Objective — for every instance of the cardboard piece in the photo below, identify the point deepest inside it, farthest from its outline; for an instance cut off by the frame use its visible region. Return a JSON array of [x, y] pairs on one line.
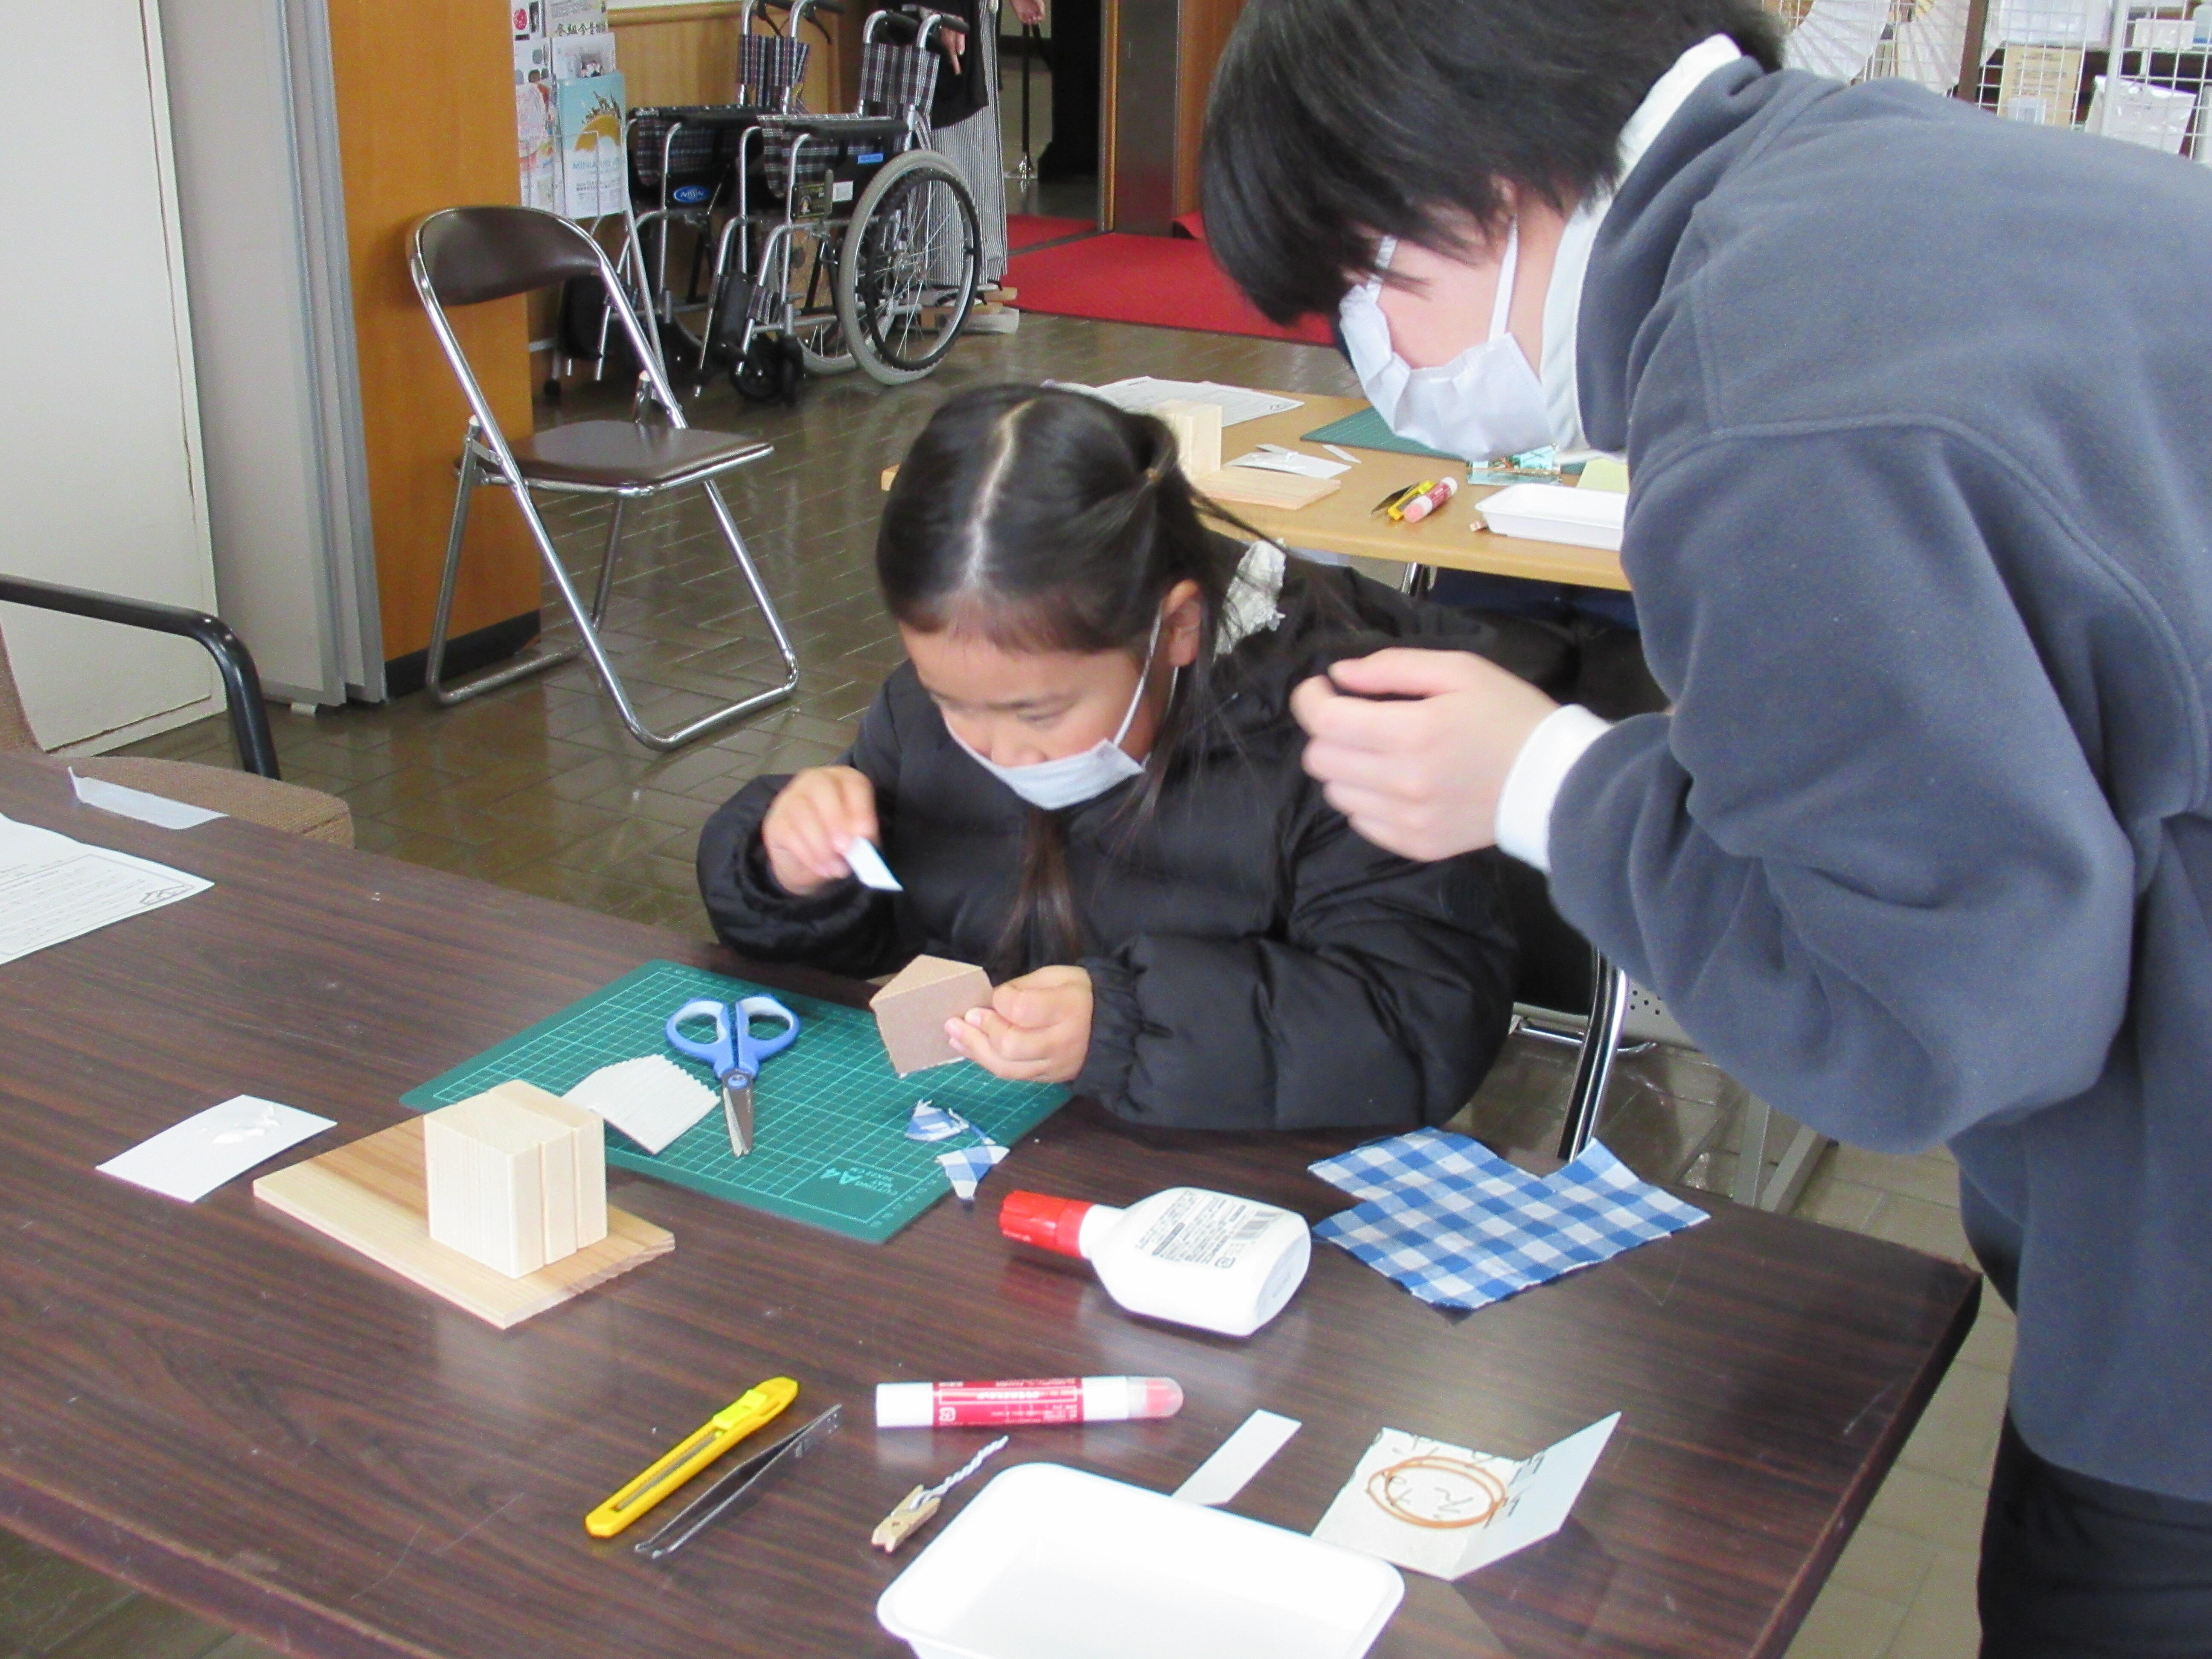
[[515, 1178], [369, 1195], [911, 1011], [1249, 486], [1197, 428], [1425, 1477]]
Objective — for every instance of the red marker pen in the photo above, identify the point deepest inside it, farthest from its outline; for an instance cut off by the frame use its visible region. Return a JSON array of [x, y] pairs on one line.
[[1007, 1405]]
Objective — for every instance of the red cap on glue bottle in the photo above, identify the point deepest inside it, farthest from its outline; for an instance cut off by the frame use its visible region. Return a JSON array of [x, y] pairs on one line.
[[1049, 1222]]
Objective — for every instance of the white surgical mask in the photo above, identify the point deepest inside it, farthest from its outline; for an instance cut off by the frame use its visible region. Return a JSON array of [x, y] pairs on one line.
[[1487, 402], [1073, 779]]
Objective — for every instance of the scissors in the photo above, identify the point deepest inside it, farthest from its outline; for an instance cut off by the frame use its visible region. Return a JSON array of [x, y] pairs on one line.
[[734, 1053]]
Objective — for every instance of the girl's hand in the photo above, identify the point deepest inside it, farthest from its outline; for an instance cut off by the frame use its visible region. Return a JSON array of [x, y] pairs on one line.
[[1036, 1029], [821, 811], [1030, 11]]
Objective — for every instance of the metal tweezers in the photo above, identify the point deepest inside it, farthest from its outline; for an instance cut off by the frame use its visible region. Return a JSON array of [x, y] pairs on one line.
[[740, 1489]]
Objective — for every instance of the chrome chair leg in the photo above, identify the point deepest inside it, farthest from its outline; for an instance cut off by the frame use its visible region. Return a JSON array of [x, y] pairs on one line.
[[607, 563], [433, 665], [1593, 1069]]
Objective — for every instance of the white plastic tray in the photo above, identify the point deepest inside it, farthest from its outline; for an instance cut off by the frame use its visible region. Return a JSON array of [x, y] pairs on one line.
[[1557, 513], [1049, 1563]]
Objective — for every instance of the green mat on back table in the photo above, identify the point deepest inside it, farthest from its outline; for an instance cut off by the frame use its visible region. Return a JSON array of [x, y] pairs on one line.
[[1368, 430], [829, 1142]]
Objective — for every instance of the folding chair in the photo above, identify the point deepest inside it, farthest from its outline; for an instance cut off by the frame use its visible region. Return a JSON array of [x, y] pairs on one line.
[[468, 256]]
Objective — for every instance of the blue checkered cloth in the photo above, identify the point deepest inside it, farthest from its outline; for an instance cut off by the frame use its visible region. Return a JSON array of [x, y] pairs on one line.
[[1460, 1227]]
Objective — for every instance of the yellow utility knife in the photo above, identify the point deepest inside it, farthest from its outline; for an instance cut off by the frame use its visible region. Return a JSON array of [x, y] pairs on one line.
[[748, 1411]]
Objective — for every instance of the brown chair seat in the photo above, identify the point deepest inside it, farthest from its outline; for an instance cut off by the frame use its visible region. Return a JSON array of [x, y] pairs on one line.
[[613, 453], [244, 795]]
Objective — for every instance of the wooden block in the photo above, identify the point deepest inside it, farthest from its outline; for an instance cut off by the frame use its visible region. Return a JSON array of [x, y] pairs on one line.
[[911, 1009], [589, 1130], [515, 1177], [1197, 428], [1253, 486], [370, 1195]]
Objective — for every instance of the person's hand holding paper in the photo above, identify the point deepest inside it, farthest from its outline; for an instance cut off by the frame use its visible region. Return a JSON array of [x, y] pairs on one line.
[[1419, 772]]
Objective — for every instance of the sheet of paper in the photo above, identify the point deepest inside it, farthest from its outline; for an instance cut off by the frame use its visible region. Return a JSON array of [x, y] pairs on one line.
[[158, 810], [651, 1099], [53, 888], [1290, 460], [1238, 1459], [868, 864], [189, 1160], [1443, 1485], [1144, 392]]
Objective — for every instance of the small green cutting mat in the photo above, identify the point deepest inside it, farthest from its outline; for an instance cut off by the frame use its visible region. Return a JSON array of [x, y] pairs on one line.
[[829, 1114], [1369, 430]]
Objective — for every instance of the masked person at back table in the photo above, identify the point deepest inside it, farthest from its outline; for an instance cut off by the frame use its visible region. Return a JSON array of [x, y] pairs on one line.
[[1087, 778]]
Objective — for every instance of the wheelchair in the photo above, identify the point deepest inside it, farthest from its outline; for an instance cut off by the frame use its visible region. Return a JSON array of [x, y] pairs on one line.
[[840, 242]]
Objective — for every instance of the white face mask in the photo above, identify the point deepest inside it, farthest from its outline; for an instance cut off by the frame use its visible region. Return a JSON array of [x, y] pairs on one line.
[[1485, 402], [1073, 779]]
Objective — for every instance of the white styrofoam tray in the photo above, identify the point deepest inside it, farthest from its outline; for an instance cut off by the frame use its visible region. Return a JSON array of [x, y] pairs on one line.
[[1050, 1562], [1557, 513]]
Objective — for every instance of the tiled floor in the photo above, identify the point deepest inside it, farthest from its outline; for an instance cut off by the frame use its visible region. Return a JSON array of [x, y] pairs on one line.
[[538, 788]]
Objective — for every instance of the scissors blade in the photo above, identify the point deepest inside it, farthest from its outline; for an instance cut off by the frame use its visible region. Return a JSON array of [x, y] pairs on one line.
[[737, 1111], [741, 1488]]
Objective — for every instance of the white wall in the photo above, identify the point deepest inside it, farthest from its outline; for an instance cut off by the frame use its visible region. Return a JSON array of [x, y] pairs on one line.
[[100, 446]]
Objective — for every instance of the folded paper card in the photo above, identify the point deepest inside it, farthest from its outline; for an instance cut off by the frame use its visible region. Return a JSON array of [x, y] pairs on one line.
[[1459, 1226], [1445, 1511], [137, 803], [189, 1160], [651, 1099]]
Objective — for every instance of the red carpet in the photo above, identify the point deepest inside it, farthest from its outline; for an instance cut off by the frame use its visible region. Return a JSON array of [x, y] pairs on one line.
[[1028, 229], [1170, 282]]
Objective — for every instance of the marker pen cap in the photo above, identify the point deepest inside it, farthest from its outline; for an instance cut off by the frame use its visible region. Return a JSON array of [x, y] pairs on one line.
[[905, 1405], [1051, 1224]]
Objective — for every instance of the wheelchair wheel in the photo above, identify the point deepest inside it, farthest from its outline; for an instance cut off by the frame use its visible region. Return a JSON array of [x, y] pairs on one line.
[[908, 270], [821, 337]]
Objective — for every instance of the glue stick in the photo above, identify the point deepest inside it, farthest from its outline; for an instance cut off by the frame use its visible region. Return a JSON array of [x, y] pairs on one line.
[[1197, 1258], [1421, 506], [1009, 1405]]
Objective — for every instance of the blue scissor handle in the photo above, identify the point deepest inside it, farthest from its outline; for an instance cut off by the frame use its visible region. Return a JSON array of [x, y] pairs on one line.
[[733, 1048]]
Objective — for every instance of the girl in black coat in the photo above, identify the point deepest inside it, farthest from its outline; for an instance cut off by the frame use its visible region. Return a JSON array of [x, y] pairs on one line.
[[1085, 778]]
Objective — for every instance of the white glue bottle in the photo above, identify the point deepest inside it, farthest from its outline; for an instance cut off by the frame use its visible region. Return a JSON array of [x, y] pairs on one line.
[[1196, 1258]]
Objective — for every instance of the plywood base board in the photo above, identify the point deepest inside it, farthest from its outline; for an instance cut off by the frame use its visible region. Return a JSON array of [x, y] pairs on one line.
[[369, 1195], [1253, 486]]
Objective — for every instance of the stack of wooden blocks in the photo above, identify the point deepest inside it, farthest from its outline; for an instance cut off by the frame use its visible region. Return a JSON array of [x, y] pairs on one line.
[[517, 1178]]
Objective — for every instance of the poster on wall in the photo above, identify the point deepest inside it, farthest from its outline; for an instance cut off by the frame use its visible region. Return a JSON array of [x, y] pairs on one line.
[[588, 116]]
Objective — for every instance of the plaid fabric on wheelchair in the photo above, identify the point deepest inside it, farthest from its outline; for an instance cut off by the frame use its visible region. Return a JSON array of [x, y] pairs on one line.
[[694, 164], [896, 80], [769, 70], [846, 148]]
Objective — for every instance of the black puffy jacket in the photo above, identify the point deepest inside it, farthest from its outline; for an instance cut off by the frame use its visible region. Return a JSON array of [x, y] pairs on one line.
[[1256, 964]]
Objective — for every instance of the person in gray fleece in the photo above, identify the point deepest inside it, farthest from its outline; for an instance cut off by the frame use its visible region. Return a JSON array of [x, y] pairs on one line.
[[1918, 407]]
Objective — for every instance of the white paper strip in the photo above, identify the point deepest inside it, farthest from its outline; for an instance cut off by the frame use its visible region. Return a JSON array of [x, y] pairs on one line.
[[189, 1160], [868, 864], [1238, 1459], [157, 810]]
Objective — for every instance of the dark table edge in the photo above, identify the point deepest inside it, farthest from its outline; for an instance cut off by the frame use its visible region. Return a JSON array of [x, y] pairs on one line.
[[1790, 1615], [162, 1568]]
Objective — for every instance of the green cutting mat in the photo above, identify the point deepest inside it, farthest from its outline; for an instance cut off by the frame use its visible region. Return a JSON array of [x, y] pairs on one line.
[[829, 1114], [1368, 430]]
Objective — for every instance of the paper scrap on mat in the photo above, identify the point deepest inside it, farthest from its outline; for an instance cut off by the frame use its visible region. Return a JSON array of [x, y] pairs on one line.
[[1460, 1227], [1290, 460], [932, 1122], [868, 864], [189, 1160], [1446, 1510], [53, 888], [1143, 393], [651, 1099], [966, 1168], [1238, 1459], [158, 810]]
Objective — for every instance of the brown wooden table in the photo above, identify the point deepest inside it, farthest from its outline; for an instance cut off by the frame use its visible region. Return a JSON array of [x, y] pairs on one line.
[[226, 1409], [1452, 538]]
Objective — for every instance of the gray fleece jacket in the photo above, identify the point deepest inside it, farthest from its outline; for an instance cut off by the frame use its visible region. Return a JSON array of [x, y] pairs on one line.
[[1919, 407]]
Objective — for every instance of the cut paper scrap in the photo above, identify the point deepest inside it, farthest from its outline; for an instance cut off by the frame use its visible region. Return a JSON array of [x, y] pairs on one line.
[[1460, 1227], [865, 862], [1238, 1459], [967, 1167], [651, 1099], [158, 810], [1446, 1510], [930, 1123], [189, 1160]]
